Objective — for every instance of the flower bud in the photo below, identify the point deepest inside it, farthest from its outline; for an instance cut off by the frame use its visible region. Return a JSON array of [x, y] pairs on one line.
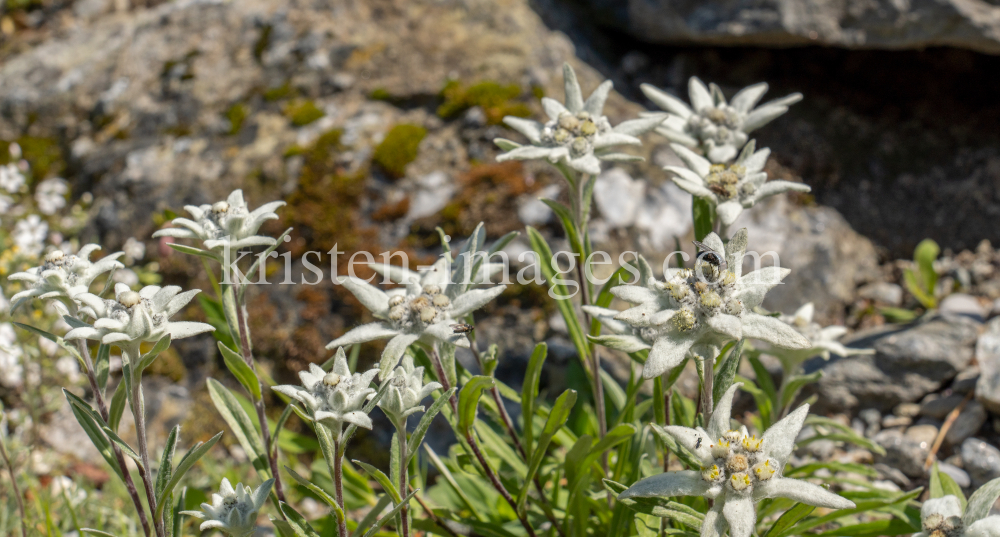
[[441, 301], [740, 481], [129, 299]]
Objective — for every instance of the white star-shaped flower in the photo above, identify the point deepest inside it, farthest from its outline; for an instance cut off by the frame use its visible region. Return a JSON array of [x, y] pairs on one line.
[[729, 187], [823, 340], [63, 276], [133, 317], [738, 471], [224, 224], [717, 128], [705, 306], [424, 310], [406, 391], [943, 517], [577, 133], [233, 511], [335, 397]]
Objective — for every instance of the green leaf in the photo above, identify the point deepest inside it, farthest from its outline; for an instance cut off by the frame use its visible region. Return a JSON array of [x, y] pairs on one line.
[[764, 380], [216, 316], [148, 358], [93, 426], [877, 528], [565, 305], [184, 249], [981, 502], [924, 255], [913, 284], [861, 507], [102, 366], [372, 516], [934, 488], [659, 507], [118, 402], [243, 372], [726, 374], [97, 532], [796, 383], [450, 479], [704, 217], [177, 516], [898, 315], [382, 479], [192, 456], [468, 401], [240, 423], [390, 515], [845, 434], [529, 393], [557, 418], [952, 488], [280, 424], [53, 338], [322, 494], [298, 523], [563, 213], [789, 519], [123, 445], [167, 460], [417, 437]]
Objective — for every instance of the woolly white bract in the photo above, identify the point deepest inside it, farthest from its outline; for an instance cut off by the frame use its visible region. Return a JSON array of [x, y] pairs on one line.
[[406, 390], [823, 340], [700, 309], [729, 187], [224, 224], [233, 511], [335, 397], [133, 317], [424, 310], [943, 517], [719, 129], [738, 471], [577, 133], [62, 276]]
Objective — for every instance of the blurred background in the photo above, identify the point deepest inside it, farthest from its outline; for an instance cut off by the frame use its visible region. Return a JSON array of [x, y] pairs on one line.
[[374, 120]]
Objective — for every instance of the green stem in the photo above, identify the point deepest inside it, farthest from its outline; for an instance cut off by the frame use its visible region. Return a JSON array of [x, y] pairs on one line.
[[330, 447], [404, 515], [131, 355], [17, 491]]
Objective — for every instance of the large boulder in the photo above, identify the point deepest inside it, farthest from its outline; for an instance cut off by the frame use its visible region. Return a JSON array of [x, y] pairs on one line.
[[883, 24]]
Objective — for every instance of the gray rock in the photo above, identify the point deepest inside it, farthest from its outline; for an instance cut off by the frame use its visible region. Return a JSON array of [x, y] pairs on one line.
[[872, 419], [890, 421], [966, 381], [806, 240], [910, 363], [883, 24], [968, 423], [940, 407], [988, 355], [981, 461], [433, 192], [963, 304], [902, 453], [886, 293]]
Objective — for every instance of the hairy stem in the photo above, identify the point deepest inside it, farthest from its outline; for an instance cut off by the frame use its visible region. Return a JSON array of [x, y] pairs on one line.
[[17, 491], [265, 429], [102, 408], [404, 512], [497, 484], [338, 486], [131, 355], [707, 387]]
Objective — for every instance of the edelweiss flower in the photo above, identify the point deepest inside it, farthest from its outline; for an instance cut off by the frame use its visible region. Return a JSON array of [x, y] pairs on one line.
[[730, 187], [823, 340], [425, 309], [710, 124], [29, 234], [578, 133], [942, 517], [63, 276], [11, 178], [224, 224], [406, 391], [134, 317], [335, 397], [705, 306], [50, 195], [739, 470], [233, 511], [624, 337]]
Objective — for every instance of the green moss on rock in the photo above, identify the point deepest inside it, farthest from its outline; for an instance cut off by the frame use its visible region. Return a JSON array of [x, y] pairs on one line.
[[497, 100], [236, 115], [302, 113], [399, 148]]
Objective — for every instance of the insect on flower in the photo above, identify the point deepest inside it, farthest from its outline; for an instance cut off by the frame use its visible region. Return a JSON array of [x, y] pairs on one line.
[[709, 255], [462, 328]]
